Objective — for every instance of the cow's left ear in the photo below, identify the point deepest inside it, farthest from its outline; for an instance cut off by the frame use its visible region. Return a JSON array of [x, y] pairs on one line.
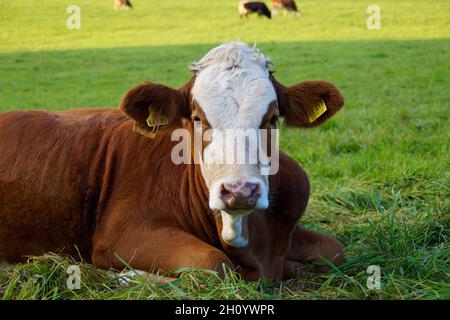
[[308, 104], [154, 104]]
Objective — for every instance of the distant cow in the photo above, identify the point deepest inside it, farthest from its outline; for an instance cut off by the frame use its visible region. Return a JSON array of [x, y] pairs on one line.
[[246, 7], [289, 5], [106, 185], [122, 4]]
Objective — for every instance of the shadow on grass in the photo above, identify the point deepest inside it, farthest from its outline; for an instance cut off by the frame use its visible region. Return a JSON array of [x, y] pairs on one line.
[[98, 77]]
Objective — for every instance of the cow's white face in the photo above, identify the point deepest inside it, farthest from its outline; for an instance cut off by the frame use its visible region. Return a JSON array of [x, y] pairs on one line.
[[232, 90], [233, 94]]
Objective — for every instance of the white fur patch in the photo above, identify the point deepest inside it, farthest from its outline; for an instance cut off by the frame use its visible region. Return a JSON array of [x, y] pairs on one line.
[[232, 229], [233, 88], [242, 10], [125, 278]]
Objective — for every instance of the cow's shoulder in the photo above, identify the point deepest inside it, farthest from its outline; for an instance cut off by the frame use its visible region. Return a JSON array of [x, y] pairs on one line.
[[293, 176], [289, 188]]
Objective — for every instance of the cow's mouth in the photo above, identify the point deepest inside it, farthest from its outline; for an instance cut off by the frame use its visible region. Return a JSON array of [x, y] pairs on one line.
[[232, 227], [236, 198]]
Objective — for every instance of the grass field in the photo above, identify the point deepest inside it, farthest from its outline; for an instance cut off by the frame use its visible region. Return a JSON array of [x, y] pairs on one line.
[[379, 170]]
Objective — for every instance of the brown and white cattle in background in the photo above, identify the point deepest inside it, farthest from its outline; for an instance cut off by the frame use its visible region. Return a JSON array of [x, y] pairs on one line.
[[102, 183], [258, 7], [122, 4], [288, 5]]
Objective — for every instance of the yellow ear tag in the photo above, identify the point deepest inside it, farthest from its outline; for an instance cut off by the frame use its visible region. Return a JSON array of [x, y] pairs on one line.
[[143, 130], [154, 121], [318, 110]]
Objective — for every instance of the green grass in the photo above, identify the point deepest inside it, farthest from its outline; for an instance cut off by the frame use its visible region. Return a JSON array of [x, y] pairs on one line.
[[379, 170]]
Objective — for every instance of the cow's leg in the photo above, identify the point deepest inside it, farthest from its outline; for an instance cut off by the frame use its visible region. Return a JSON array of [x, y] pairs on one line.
[[312, 247], [164, 250]]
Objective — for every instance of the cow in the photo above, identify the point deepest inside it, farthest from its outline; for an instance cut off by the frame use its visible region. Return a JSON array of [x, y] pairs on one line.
[[289, 5], [247, 7], [122, 4], [102, 183]]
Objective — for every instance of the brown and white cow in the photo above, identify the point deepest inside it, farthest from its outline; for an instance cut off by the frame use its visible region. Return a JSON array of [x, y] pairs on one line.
[[288, 5], [122, 4], [85, 182]]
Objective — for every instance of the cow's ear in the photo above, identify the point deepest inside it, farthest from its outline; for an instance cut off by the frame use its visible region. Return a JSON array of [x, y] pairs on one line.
[[154, 104], [308, 104]]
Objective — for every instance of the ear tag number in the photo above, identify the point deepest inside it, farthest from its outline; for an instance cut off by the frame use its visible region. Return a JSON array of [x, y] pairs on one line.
[[318, 110]]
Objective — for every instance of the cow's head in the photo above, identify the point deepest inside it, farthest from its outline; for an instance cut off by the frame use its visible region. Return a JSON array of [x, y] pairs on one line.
[[232, 88]]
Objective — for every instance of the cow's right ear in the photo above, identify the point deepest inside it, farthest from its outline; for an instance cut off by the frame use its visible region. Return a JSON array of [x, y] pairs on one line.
[[156, 104]]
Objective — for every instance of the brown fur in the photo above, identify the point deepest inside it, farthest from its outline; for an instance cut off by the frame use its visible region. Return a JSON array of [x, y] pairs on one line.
[[122, 4], [166, 101], [287, 4], [297, 101], [83, 181]]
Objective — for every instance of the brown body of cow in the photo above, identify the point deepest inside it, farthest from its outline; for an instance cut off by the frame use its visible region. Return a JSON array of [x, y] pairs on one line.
[[84, 182], [289, 5]]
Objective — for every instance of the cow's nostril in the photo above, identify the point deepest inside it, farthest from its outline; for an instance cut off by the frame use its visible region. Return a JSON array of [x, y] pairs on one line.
[[224, 190], [227, 188], [251, 186], [254, 192]]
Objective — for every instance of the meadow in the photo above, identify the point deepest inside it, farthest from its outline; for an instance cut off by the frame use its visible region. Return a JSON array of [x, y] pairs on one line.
[[379, 170]]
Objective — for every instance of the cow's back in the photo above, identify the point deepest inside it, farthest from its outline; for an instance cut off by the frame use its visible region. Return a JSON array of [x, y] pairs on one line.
[[48, 167]]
